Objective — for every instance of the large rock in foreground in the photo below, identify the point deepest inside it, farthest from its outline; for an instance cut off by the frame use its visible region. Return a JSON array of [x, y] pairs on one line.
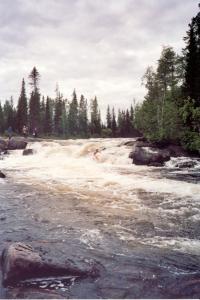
[[149, 156], [16, 143], [20, 261]]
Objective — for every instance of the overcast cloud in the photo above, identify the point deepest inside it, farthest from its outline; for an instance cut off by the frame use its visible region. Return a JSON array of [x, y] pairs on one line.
[[99, 47]]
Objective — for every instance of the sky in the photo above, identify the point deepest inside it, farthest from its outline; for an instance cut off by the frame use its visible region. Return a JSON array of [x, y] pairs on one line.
[[98, 47]]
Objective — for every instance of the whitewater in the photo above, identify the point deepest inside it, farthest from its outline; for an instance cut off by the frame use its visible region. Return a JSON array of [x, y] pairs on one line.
[[131, 219]]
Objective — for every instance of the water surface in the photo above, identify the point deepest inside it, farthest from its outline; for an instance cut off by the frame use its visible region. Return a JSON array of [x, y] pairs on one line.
[[140, 227]]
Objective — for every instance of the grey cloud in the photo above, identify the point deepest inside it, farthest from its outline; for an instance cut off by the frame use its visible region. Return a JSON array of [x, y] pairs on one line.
[[100, 47]]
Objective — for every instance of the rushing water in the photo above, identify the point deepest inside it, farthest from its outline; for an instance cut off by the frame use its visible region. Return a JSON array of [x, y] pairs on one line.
[[141, 227]]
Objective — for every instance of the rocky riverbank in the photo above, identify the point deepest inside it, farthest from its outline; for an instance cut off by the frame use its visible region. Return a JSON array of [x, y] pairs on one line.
[[14, 143]]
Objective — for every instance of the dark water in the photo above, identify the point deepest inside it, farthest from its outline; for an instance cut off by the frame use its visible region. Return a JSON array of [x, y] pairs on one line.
[[62, 226]]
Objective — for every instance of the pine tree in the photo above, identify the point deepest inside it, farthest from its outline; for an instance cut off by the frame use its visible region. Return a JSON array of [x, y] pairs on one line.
[[22, 109], [83, 117], [34, 77], [64, 121], [73, 115], [58, 112], [48, 118], [95, 123], [132, 114], [128, 125], [191, 86], [42, 115], [9, 114], [34, 103], [121, 123], [2, 125], [113, 123], [108, 118]]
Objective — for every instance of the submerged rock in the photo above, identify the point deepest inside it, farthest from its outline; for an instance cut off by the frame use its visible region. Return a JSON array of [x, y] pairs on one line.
[[20, 261], [27, 152], [2, 175], [185, 164], [188, 176], [129, 143], [16, 143]]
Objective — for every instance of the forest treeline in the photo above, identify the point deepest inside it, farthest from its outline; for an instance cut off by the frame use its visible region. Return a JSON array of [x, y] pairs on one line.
[[62, 117], [170, 112]]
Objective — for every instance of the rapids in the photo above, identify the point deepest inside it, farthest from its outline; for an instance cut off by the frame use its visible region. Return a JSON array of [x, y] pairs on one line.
[[142, 227]]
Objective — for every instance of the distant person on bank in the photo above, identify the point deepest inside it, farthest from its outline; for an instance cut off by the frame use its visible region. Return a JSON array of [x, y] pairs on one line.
[[35, 132], [9, 132], [25, 131]]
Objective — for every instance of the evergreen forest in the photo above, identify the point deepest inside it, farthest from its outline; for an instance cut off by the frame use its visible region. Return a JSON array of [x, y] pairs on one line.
[[169, 113]]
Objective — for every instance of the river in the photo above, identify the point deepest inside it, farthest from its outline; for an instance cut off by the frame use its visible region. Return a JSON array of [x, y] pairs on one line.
[[141, 227]]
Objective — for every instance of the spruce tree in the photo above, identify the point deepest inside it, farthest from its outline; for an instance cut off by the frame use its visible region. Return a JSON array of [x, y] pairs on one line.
[[2, 127], [73, 115], [83, 117], [48, 118], [108, 118], [191, 86], [95, 123], [128, 125], [58, 112], [64, 120], [22, 109], [42, 115], [34, 103], [113, 123], [9, 114]]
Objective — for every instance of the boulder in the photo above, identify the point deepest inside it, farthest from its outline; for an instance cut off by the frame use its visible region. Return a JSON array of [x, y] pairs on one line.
[[3, 145], [17, 143], [6, 152], [177, 151], [2, 175], [155, 154], [20, 261], [27, 152], [149, 156]]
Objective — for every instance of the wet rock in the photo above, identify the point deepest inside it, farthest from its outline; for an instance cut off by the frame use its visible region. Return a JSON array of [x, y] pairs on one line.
[[27, 152], [3, 145], [176, 151], [185, 164], [16, 143], [190, 176], [6, 152], [20, 261], [149, 156], [144, 152], [129, 143], [2, 175], [21, 293]]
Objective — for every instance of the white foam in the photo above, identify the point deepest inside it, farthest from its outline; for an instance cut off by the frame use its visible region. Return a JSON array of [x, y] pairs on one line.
[[72, 163]]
